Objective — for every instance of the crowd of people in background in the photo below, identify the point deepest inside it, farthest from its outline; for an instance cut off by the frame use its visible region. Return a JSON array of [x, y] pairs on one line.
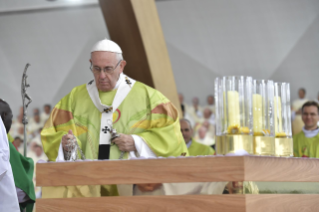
[[201, 118], [33, 129]]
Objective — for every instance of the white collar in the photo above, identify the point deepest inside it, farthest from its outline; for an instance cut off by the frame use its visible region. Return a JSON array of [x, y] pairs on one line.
[[123, 86], [310, 133], [189, 143], [119, 81]]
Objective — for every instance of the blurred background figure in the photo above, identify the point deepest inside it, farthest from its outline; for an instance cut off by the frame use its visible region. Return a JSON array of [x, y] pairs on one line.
[[208, 122], [35, 151], [33, 142], [297, 104], [203, 137], [209, 116], [17, 127], [18, 144], [187, 116], [297, 123], [306, 143], [194, 148], [46, 113], [185, 109], [195, 111], [35, 123], [39, 154], [211, 103]]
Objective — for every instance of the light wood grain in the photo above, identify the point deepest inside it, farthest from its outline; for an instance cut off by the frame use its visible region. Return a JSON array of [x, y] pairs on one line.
[[225, 203], [135, 26], [278, 169], [282, 202], [205, 169], [216, 203], [200, 169]]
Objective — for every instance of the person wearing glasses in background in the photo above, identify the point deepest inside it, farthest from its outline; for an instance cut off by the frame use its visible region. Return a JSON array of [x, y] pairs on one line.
[[146, 122]]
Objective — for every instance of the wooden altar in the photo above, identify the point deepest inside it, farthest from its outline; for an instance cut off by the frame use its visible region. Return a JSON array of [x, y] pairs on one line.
[[188, 169]]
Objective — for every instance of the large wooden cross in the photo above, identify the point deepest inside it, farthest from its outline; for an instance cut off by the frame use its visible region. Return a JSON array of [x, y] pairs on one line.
[[135, 26]]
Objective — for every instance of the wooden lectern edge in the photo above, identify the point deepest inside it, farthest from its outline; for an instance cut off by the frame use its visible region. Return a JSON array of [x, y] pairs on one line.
[[169, 170], [183, 203], [151, 171]]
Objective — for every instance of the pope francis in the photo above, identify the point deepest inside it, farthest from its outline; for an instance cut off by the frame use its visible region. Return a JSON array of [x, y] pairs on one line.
[[146, 121]]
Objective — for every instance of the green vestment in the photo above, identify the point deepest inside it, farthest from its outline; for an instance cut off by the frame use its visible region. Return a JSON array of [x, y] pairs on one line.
[[22, 169], [144, 112], [306, 147], [199, 149]]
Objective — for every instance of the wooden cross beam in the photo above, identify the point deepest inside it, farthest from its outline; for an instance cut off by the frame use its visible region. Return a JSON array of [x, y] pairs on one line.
[[135, 26]]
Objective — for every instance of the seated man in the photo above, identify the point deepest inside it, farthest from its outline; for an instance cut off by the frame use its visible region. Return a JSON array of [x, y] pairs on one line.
[[306, 143], [194, 148], [22, 170]]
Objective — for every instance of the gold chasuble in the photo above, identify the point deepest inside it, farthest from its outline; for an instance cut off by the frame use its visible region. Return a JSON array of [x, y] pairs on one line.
[[306, 147], [144, 112], [199, 149]]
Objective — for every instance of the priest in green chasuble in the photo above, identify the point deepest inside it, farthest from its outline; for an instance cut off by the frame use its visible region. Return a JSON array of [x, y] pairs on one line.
[[145, 120], [306, 143], [194, 148]]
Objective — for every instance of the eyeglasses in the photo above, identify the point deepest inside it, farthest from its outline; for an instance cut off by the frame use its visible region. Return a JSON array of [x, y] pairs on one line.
[[107, 70]]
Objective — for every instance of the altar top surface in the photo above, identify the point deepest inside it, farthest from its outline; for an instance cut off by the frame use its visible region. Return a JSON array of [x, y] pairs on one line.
[[181, 169]]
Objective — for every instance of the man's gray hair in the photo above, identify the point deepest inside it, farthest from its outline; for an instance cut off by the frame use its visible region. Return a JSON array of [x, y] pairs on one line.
[[186, 120], [119, 57]]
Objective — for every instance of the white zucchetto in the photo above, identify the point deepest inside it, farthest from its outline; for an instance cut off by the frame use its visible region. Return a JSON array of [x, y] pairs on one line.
[[106, 46]]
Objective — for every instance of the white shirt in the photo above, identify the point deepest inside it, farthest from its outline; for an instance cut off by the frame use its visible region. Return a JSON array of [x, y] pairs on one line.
[[310, 133], [8, 194]]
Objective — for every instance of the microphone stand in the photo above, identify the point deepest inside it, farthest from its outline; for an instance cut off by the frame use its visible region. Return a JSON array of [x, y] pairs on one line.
[[24, 86]]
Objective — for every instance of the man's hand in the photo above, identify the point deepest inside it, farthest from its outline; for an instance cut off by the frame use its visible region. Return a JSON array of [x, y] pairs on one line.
[[125, 143], [148, 186], [66, 139]]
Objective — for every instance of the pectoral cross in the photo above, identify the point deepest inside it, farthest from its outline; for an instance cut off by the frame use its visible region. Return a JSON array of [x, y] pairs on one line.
[[90, 83], [106, 129], [109, 109], [128, 81]]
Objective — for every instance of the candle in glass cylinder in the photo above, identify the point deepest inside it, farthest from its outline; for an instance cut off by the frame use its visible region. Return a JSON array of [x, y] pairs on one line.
[[233, 109], [257, 114], [278, 117]]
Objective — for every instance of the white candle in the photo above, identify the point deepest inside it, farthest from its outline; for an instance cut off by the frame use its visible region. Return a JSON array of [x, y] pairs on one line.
[[278, 117], [233, 108], [257, 114]]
